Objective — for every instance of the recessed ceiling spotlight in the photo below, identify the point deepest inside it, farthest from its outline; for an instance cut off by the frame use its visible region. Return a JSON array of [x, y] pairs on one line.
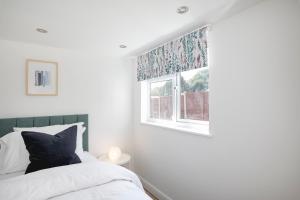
[[182, 10], [41, 30], [122, 46]]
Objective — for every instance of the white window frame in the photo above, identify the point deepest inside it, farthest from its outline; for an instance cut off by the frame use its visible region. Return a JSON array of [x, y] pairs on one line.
[[149, 82], [178, 102], [184, 125]]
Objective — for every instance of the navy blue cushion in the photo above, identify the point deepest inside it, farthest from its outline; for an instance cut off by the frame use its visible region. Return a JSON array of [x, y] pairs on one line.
[[48, 151]]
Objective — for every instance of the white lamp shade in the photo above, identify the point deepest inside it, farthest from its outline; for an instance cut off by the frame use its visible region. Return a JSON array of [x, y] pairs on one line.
[[114, 153]]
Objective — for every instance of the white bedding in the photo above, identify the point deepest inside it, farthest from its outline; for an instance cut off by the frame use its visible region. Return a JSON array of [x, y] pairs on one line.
[[84, 157], [11, 175], [88, 181]]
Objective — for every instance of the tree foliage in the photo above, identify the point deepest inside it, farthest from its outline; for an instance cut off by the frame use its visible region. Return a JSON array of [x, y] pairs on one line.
[[164, 90], [199, 82]]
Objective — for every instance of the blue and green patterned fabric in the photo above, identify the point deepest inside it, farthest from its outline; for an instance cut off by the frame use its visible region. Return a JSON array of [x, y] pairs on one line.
[[185, 53]]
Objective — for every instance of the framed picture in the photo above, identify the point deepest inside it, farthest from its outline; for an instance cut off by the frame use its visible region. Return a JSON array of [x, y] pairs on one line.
[[41, 78]]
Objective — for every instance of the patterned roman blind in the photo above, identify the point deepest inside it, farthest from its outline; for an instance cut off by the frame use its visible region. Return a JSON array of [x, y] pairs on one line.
[[185, 53]]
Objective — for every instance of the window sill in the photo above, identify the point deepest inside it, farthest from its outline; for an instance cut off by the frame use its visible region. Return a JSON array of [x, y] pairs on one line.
[[195, 129]]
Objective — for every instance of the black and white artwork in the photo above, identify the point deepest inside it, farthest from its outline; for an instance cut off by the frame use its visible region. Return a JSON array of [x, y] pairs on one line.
[[42, 78]]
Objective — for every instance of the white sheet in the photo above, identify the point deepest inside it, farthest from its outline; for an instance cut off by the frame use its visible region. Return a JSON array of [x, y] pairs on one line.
[[11, 175], [89, 181]]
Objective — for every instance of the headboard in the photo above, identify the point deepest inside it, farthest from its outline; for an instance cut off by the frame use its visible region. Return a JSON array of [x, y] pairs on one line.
[[6, 125]]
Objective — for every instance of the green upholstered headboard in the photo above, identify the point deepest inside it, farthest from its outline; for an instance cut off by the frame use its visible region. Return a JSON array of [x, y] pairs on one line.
[[6, 125]]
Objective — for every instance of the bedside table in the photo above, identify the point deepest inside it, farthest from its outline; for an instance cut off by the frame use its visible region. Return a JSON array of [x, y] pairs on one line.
[[123, 161]]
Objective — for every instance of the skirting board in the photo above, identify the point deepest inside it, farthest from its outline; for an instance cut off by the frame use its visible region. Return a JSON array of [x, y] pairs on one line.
[[153, 190]]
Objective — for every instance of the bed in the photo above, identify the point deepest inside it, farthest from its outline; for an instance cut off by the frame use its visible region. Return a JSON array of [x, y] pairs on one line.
[[91, 179]]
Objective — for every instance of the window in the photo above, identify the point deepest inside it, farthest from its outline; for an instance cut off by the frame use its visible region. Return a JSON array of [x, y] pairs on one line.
[[194, 95], [161, 103], [179, 101]]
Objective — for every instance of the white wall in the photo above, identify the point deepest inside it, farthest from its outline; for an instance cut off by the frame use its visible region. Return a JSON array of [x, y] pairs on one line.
[[98, 86], [254, 116]]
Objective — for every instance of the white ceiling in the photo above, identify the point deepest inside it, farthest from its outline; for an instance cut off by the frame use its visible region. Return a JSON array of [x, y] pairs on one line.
[[102, 25]]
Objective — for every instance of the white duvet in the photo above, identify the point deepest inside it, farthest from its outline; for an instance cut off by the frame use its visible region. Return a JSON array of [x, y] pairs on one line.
[[84, 181]]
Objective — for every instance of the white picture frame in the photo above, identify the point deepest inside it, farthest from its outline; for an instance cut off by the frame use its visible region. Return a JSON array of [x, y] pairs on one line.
[[41, 78]]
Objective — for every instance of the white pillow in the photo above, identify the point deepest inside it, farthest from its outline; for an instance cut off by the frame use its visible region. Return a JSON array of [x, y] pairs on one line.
[[52, 130], [2, 152], [87, 157], [16, 156]]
